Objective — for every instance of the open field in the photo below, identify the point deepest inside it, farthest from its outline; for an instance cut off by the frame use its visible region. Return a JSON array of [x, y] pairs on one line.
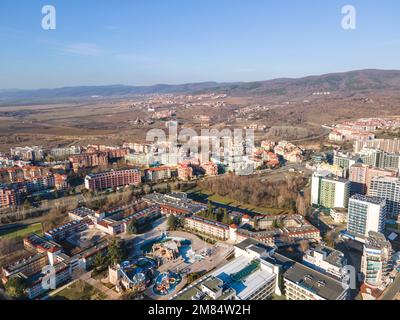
[[204, 195], [22, 231], [79, 290], [114, 121]]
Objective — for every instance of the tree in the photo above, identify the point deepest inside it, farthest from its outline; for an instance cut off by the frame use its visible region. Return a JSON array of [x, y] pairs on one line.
[[226, 218], [330, 239], [15, 288], [27, 204], [304, 245], [172, 222], [210, 209], [99, 262], [192, 277], [133, 227], [115, 253]]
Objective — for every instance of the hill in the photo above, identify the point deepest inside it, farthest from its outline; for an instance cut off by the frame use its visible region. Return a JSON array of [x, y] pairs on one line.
[[341, 84]]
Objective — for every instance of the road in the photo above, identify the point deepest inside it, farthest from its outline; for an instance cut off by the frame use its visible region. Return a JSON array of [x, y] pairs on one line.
[[393, 290]]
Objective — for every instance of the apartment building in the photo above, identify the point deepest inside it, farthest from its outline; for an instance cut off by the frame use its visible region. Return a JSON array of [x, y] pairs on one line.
[[11, 195], [387, 188], [376, 261], [36, 184], [157, 174], [66, 230], [33, 154], [185, 172], [112, 179], [387, 145], [175, 203], [209, 227], [304, 283], [345, 161], [366, 214], [210, 168], [88, 160], [329, 191], [325, 260], [380, 159], [361, 177]]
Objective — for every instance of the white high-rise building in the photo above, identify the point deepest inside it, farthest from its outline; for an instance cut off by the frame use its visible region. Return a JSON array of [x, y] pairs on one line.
[[366, 214], [387, 188]]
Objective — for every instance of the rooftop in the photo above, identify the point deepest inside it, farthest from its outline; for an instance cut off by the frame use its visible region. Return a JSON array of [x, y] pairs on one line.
[[373, 200], [315, 282]]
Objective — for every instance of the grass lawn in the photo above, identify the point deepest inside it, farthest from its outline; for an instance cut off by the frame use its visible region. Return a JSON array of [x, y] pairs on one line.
[[79, 290], [22, 231], [236, 204]]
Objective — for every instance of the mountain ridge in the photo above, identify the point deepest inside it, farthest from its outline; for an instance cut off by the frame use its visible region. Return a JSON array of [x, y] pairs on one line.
[[347, 83]]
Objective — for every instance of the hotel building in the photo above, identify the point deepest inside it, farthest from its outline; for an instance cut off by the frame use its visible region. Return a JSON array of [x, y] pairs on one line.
[[366, 214], [387, 188], [304, 283], [112, 179], [329, 191], [376, 261], [325, 260]]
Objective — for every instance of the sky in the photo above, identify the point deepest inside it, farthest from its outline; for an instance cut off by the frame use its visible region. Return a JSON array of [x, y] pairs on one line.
[[145, 42]]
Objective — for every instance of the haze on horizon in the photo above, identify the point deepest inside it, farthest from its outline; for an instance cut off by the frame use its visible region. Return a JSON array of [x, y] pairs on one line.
[[148, 42]]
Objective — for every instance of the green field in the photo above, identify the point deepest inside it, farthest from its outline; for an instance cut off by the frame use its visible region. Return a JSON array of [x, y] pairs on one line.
[[235, 204], [21, 231], [79, 290]]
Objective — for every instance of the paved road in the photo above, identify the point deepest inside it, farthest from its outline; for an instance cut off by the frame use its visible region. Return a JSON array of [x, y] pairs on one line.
[[393, 290]]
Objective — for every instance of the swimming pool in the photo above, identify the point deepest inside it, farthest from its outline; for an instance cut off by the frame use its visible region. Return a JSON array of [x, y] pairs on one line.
[[166, 283]]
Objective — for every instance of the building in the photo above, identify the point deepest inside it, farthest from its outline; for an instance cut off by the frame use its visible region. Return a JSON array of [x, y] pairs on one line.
[[157, 174], [209, 227], [66, 230], [366, 214], [61, 181], [387, 188], [185, 172], [32, 154], [88, 160], [358, 178], [251, 275], [210, 168], [387, 145], [60, 153], [304, 283], [175, 203], [380, 159], [361, 176], [41, 183], [112, 179], [329, 191], [344, 161], [339, 215], [376, 261], [11, 195], [325, 260]]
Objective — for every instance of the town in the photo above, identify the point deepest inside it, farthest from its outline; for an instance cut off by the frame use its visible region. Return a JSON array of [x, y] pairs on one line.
[[122, 222]]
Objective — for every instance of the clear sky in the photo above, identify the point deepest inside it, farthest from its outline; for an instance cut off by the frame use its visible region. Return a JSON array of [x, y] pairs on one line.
[[143, 42]]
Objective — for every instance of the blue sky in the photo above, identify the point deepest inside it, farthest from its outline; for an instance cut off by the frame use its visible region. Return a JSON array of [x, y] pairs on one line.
[[143, 42]]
